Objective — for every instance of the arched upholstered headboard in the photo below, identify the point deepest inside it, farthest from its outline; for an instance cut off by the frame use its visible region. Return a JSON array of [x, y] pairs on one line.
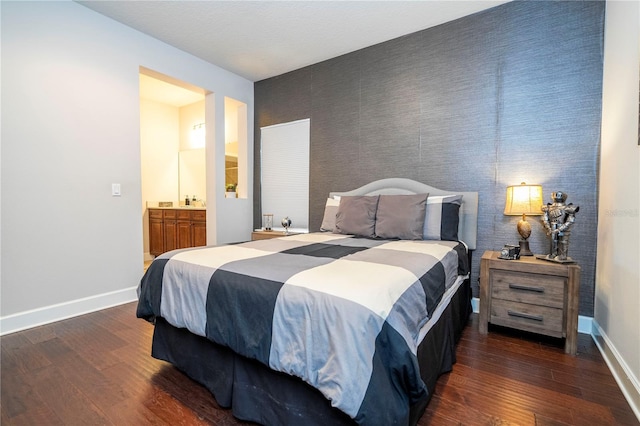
[[468, 226]]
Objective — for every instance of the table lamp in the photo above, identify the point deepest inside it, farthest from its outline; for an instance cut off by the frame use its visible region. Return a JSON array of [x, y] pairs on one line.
[[524, 200]]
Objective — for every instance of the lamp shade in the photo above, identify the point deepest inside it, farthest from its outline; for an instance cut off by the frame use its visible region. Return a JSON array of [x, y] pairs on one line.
[[523, 199]]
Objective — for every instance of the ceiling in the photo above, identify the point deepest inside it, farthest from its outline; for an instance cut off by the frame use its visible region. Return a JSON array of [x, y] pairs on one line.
[[262, 39]]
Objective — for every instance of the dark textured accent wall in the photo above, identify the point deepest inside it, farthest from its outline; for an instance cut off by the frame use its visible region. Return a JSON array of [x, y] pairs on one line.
[[507, 95]]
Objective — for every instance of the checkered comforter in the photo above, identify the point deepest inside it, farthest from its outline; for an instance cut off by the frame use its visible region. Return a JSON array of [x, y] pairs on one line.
[[344, 314]]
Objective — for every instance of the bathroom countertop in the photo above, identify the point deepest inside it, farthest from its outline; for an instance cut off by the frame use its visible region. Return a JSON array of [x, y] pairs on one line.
[[178, 207], [155, 205]]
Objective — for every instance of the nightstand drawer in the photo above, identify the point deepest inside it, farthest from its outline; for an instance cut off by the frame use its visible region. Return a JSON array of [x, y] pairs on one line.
[[538, 289], [538, 319]]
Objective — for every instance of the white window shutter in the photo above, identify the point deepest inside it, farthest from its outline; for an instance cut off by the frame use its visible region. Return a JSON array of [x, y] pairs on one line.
[[285, 173]]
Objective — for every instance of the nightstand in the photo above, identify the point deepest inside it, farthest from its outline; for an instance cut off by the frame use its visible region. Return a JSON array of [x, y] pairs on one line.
[[265, 235], [532, 295]]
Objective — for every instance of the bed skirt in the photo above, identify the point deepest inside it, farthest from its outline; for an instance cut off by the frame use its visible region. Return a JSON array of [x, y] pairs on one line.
[[256, 393]]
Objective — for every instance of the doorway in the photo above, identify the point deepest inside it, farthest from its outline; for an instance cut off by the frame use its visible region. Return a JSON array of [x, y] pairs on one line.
[[172, 145]]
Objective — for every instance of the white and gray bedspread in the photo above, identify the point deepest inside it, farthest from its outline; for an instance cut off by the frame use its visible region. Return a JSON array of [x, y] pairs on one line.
[[343, 314]]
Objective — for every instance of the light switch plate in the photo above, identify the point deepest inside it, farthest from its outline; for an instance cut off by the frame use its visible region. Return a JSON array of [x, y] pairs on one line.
[[115, 189]]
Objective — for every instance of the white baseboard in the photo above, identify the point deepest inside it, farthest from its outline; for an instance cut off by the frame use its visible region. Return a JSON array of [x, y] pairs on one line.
[[475, 304], [627, 382], [61, 311], [584, 324]]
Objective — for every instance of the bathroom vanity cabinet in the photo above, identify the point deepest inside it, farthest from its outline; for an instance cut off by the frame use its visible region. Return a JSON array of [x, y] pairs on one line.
[[174, 228]]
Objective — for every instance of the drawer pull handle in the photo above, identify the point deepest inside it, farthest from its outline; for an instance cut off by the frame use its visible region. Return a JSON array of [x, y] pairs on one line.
[[526, 288], [525, 316]]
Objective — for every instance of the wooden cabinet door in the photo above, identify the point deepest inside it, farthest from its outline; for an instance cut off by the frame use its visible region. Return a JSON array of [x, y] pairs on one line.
[[156, 237], [199, 233], [184, 234], [170, 235]]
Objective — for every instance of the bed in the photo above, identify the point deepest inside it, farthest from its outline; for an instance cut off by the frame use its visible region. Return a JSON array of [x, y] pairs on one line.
[[352, 325]]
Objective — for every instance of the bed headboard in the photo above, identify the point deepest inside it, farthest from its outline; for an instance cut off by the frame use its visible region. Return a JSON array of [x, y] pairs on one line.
[[468, 226]]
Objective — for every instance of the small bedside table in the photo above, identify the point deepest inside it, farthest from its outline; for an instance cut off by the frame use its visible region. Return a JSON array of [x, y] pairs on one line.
[[265, 235], [532, 295]]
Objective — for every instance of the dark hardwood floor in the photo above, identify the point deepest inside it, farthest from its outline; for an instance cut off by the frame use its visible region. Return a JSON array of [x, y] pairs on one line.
[[96, 369]]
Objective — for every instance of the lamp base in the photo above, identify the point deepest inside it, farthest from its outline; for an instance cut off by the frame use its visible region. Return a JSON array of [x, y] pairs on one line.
[[524, 248]]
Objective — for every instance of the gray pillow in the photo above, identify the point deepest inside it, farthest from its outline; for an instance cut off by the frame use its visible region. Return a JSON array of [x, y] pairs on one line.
[[401, 216], [357, 215]]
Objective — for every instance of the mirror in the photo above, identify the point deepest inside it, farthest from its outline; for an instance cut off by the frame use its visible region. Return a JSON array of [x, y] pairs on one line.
[[192, 174]]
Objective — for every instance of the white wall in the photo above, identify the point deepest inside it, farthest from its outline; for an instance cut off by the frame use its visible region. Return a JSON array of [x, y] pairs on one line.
[[229, 214], [71, 128], [617, 296]]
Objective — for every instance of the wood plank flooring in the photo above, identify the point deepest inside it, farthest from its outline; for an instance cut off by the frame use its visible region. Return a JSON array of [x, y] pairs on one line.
[[96, 369]]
